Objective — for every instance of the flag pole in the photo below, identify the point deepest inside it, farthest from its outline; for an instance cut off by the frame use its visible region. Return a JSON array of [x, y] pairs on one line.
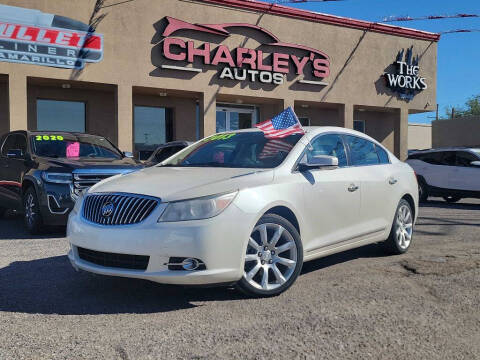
[[301, 126]]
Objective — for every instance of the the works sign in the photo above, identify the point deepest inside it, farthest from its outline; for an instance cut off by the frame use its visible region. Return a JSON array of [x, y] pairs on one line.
[[33, 37], [406, 80], [242, 64]]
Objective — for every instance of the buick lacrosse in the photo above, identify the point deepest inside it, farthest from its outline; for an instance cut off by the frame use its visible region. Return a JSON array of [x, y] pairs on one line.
[[240, 208]]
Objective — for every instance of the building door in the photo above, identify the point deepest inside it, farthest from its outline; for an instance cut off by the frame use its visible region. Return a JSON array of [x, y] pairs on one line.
[[153, 126], [231, 117]]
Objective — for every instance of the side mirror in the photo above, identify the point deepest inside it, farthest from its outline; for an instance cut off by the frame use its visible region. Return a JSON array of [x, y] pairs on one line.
[[475, 163], [319, 161], [128, 154], [15, 154]]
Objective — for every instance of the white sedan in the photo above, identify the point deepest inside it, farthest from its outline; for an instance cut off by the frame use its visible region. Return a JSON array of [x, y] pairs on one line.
[[239, 208]]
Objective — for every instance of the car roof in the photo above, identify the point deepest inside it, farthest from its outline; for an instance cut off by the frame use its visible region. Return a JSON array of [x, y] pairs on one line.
[[62, 132], [453, 148], [316, 130]]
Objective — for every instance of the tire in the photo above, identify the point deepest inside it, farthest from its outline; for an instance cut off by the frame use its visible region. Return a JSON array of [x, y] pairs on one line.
[[262, 257], [422, 190], [452, 198], [401, 234], [32, 216]]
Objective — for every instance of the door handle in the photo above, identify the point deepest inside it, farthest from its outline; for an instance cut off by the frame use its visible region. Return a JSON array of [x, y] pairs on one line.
[[353, 188], [392, 181]]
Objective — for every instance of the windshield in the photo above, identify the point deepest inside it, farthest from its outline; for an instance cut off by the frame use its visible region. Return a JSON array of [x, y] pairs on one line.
[[236, 150], [73, 146], [477, 152]]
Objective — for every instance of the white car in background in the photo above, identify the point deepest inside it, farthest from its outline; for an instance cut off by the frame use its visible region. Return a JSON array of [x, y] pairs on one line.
[[451, 173], [242, 209]]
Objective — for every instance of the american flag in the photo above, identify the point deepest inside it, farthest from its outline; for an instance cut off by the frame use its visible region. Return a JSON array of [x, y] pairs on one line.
[[284, 124], [273, 147]]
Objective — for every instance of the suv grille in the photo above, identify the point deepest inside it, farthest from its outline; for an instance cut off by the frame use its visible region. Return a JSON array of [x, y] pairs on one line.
[[85, 181], [117, 209], [124, 261]]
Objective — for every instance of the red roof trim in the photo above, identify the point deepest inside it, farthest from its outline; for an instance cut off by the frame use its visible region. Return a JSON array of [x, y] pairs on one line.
[[327, 19]]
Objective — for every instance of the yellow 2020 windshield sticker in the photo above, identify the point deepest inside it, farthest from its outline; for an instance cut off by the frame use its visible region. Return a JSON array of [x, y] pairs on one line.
[[48, 137]]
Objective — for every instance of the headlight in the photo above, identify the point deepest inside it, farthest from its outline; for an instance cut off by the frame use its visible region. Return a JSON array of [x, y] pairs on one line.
[[78, 203], [196, 209], [59, 178]]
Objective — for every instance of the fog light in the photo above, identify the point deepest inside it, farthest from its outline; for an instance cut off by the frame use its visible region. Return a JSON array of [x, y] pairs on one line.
[[190, 264], [185, 264]]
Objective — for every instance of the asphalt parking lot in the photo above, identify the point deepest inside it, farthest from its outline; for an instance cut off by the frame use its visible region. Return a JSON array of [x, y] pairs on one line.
[[355, 305]]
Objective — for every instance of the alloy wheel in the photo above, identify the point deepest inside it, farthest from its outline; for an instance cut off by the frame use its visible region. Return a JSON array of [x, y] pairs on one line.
[[30, 209], [271, 257], [404, 229]]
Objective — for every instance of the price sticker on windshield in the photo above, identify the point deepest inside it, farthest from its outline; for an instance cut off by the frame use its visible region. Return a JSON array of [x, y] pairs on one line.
[[220, 137], [48, 137]]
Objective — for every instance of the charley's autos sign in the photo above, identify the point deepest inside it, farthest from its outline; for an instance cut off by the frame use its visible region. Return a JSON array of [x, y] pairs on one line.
[[33, 37], [270, 63], [406, 80]]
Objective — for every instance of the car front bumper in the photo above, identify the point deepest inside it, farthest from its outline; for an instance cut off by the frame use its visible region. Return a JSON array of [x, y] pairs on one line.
[[219, 242]]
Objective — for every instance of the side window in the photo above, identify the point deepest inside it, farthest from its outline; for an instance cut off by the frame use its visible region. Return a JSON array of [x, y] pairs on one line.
[[331, 145], [449, 158], [14, 142], [362, 151], [159, 155], [464, 158], [382, 155], [434, 158]]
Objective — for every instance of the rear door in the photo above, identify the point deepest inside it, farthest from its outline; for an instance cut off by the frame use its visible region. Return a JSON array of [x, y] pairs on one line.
[[378, 184], [465, 177], [12, 169], [438, 168]]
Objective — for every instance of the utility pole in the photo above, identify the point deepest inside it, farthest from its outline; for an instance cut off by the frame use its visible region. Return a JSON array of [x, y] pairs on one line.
[[436, 117]]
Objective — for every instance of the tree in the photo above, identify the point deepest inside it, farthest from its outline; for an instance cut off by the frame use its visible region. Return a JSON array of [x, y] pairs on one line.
[[471, 108]]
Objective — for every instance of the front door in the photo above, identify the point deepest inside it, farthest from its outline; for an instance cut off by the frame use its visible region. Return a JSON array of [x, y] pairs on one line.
[[332, 198], [230, 118]]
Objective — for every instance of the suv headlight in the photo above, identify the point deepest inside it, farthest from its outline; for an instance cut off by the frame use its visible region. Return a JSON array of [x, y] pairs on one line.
[[196, 209], [59, 178]]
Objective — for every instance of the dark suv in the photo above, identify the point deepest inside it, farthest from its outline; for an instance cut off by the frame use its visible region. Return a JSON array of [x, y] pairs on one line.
[[43, 173]]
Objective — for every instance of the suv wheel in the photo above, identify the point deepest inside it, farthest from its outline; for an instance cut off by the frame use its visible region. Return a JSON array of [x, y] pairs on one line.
[[401, 234], [452, 198], [274, 257], [32, 216]]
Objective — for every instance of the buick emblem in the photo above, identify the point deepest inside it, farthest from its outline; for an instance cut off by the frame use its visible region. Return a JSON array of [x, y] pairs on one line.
[[107, 209]]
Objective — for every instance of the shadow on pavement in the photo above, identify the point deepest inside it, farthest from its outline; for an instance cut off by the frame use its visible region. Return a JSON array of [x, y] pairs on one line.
[[368, 251], [52, 286], [440, 204], [13, 228]]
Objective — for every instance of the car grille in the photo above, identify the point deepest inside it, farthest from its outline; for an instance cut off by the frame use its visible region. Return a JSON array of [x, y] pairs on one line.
[[123, 261], [84, 181], [117, 209]]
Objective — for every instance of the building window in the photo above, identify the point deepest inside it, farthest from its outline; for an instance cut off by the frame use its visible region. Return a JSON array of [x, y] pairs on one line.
[[305, 121], [153, 126], [359, 125], [55, 115], [235, 117]]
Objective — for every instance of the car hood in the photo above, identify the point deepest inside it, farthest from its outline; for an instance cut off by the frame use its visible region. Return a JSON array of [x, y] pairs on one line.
[[86, 163], [177, 183]]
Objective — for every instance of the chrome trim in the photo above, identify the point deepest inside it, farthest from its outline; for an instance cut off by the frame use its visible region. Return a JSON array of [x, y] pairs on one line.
[[56, 202], [350, 239], [130, 209]]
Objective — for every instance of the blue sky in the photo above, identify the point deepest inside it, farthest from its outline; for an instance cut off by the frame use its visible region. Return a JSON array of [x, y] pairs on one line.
[[458, 54]]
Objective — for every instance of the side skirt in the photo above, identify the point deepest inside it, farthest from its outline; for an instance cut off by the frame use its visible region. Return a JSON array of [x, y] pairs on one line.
[[357, 241]]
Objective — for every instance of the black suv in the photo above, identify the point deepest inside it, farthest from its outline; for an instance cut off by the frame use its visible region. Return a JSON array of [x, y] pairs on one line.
[[43, 173]]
